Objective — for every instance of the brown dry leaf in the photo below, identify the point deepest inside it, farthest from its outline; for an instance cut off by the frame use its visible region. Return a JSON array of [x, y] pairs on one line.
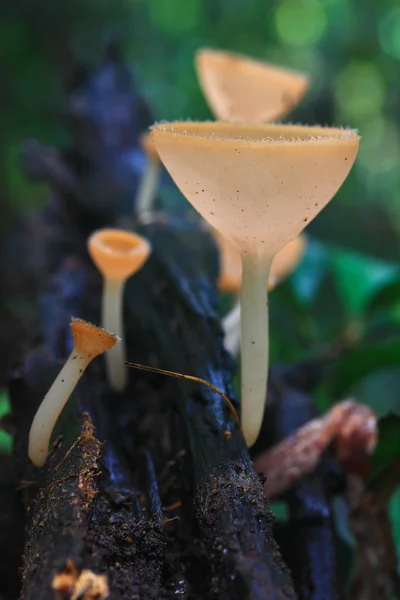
[[350, 427]]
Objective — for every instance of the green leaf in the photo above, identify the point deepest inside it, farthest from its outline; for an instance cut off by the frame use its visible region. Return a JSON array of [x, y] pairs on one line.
[[357, 364], [388, 447], [380, 391], [394, 514], [358, 277], [5, 438], [386, 298], [308, 276], [280, 510]]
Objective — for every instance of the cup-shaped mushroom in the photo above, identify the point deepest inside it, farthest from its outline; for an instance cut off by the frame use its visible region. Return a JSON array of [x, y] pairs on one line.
[[239, 88], [89, 342], [118, 255], [259, 185], [149, 181]]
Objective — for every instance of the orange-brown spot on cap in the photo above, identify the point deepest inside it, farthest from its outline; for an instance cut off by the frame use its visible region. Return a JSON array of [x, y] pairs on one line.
[[147, 143], [91, 340], [118, 254]]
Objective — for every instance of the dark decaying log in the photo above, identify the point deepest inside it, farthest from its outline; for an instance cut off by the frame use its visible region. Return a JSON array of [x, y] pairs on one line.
[[100, 508], [308, 540]]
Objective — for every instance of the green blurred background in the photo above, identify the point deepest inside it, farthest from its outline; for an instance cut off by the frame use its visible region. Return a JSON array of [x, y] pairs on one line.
[[350, 48], [346, 292]]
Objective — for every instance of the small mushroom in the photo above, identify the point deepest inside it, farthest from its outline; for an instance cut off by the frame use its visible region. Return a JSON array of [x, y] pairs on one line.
[[89, 342], [260, 185], [149, 181], [230, 280], [118, 255], [239, 88]]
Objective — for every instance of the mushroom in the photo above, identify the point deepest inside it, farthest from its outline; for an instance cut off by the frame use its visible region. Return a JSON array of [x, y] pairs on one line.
[[259, 185], [89, 342], [239, 88], [149, 181], [118, 255], [230, 279]]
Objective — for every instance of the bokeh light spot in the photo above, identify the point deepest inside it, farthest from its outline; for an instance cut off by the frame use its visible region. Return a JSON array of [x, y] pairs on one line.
[[300, 22], [389, 33], [175, 16], [380, 146], [360, 90]]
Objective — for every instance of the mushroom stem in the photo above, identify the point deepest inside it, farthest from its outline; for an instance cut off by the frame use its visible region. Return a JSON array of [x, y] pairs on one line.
[[148, 187], [255, 344], [112, 314], [231, 327], [231, 324], [52, 405]]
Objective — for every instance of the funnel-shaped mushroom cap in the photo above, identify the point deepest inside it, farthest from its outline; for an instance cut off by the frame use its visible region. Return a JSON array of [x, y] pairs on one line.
[[147, 143], [230, 275], [260, 185], [91, 340], [238, 88], [118, 254]]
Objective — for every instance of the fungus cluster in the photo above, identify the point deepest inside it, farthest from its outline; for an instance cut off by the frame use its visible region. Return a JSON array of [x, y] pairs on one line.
[[259, 185], [118, 255], [89, 342]]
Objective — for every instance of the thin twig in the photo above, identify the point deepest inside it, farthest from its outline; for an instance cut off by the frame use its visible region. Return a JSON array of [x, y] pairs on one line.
[[191, 378]]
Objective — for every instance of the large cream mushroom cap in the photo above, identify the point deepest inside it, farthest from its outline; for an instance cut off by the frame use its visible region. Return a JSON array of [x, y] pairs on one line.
[[260, 185]]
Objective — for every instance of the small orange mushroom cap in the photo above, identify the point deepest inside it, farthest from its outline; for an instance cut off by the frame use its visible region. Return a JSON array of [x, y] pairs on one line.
[[147, 143], [230, 274], [239, 88], [118, 254], [91, 340]]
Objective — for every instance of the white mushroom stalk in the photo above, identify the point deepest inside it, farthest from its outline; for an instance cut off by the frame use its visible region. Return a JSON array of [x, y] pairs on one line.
[[260, 186], [118, 255], [148, 183], [283, 264], [89, 342]]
